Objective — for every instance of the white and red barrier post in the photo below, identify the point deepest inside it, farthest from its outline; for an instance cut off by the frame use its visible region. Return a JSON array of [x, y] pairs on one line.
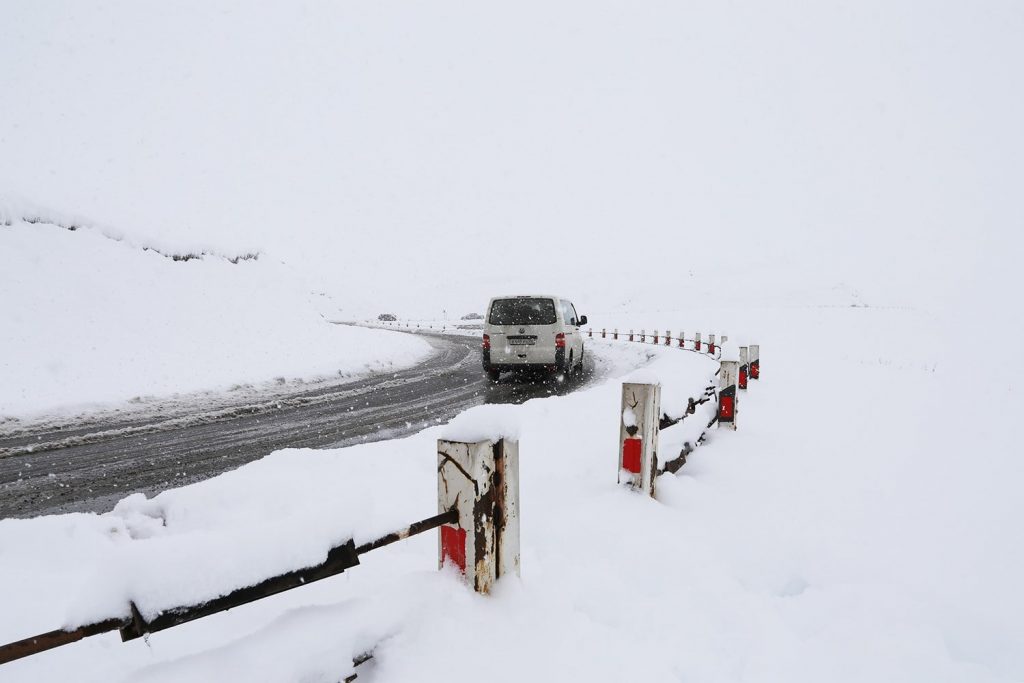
[[481, 481], [604, 333], [638, 436], [744, 369], [615, 334], [727, 398], [711, 344], [643, 336], [755, 361], [696, 342], [655, 337], [682, 340], [668, 337], [631, 335]]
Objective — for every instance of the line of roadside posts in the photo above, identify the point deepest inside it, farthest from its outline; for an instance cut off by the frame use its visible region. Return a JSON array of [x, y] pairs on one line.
[[641, 415]]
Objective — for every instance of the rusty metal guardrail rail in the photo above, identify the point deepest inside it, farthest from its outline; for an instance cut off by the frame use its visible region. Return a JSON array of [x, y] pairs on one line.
[[133, 625]]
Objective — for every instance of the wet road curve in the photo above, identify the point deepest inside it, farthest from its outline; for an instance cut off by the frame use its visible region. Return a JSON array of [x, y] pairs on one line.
[[88, 467]]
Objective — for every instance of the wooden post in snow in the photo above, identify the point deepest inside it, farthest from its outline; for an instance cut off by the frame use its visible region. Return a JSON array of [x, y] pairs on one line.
[[727, 394], [638, 436], [480, 480]]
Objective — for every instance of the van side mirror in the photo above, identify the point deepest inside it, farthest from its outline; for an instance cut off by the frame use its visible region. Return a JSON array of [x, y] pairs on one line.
[[583, 320]]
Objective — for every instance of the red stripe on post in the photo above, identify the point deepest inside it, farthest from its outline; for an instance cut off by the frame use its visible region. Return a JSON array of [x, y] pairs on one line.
[[631, 449], [726, 408], [453, 546], [743, 377]]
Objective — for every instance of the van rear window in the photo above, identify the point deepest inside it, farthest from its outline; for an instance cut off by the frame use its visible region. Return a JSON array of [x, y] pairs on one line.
[[522, 312]]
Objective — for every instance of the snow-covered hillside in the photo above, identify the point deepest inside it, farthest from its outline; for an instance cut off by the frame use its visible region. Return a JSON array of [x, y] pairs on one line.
[[91, 321]]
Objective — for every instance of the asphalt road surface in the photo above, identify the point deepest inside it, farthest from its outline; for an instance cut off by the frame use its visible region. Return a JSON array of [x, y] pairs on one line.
[[87, 467]]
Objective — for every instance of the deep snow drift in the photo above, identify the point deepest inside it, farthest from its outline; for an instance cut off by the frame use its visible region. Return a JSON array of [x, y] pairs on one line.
[[91, 321]]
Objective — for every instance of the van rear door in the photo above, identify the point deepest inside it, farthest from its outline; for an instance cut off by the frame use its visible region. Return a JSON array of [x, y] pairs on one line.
[[524, 330]]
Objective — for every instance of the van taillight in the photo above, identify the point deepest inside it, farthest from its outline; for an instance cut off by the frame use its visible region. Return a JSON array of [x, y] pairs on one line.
[[487, 342], [560, 341]]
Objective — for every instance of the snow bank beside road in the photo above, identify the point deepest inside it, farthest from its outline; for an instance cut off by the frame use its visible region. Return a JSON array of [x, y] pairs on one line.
[[89, 320]]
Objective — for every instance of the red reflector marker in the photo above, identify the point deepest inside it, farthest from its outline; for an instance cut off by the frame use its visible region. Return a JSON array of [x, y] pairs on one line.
[[560, 341], [453, 546], [631, 455], [487, 341], [726, 408], [743, 377]]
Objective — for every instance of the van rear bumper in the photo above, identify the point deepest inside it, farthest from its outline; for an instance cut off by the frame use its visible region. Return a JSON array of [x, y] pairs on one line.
[[509, 364]]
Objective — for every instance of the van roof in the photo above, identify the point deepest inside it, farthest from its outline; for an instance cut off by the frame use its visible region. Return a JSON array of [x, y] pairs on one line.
[[528, 296]]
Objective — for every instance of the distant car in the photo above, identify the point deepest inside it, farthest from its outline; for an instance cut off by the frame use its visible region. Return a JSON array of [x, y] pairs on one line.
[[387, 317], [540, 332], [472, 316]]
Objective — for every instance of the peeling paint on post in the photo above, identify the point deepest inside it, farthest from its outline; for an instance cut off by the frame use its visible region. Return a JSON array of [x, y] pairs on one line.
[[744, 369], [481, 481], [727, 399], [755, 361], [638, 436]]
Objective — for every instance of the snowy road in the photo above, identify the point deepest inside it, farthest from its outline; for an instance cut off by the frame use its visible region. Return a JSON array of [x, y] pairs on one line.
[[75, 468]]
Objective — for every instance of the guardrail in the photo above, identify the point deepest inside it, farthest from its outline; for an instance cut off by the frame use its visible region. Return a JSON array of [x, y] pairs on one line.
[[478, 500], [478, 515]]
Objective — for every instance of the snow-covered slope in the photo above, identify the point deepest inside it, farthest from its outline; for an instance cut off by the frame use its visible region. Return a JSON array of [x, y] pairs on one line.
[[89, 320]]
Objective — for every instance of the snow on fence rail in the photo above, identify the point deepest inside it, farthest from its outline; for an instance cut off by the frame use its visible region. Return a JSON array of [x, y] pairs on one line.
[[478, 514]]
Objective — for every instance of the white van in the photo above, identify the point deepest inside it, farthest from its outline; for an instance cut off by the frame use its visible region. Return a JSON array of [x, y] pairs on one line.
[[523, 332]]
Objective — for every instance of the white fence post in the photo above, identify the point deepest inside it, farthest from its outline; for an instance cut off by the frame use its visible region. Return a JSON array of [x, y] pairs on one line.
[[755, 361], [682, 340], [656, 336], [668, 337], [615, 334], [480, 480], [631, 335], [727, 394], [711, 344], [744, 369], [696, 342], [643, 336], [638, 436]]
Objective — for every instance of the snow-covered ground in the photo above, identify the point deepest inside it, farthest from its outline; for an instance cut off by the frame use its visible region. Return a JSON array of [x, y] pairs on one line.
[[845, 532], [90, 321]]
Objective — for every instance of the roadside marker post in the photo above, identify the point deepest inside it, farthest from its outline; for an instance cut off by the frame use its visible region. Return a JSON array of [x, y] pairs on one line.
[[638, 436], [481, 481], [696, 342], [682, 340], [744, 369], [727, 394], [755, 361], [615, 334], [711, 344], [643, 336], [668, 337], [656, 336], [631, 335]]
